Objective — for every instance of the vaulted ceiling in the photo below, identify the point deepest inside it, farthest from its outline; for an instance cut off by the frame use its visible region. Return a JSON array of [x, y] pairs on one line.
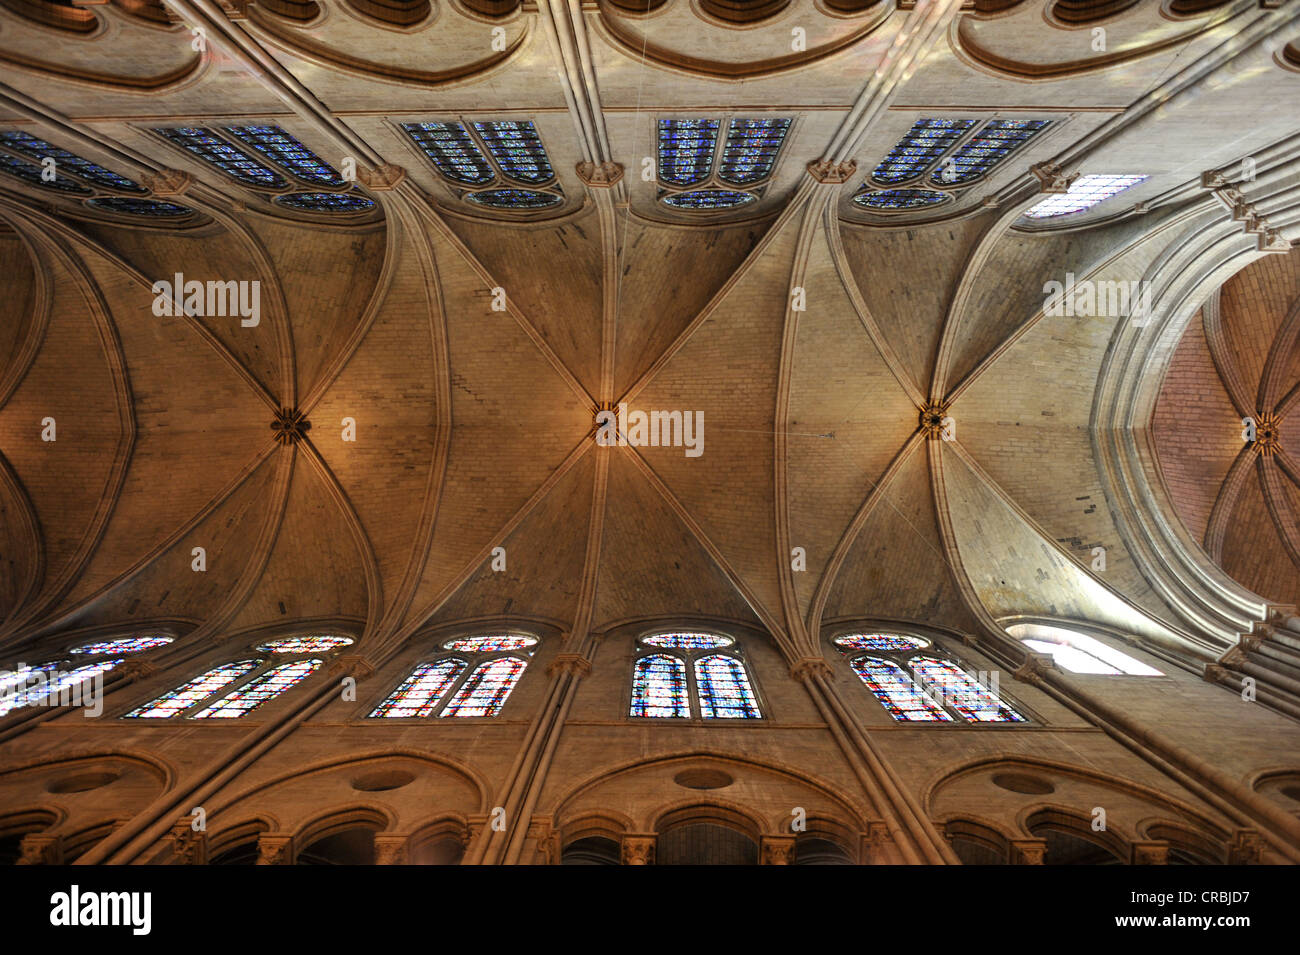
[[474, 424]]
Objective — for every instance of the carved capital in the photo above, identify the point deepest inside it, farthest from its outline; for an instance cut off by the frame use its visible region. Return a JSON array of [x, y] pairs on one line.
[[37, 848], [353, 665], [1245, 848], [1028, 851], [275, 848], [638, 850], [572, 663], [136, 670], [167, 182], [383, 178], [600, 175], [1034, 666], [188, 846], [1213, 179], [805, 668], [878, 834], [1051, 179], [1270, 240], [234, 9], [825, 171], [1214, 673], [777, 850], [1150, 853], [391, 849]]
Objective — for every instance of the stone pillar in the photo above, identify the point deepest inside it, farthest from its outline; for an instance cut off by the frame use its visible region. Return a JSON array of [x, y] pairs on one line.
[[638, 849]]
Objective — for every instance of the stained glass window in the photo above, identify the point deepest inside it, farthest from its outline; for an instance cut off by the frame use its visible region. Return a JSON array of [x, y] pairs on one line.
[[253, 694], [688, 641], [64, 685], [995, 141], [487, 688], [12, 680], [26, 171], [708, 199], [336, 202], [231, 160], [452, 150], [421, 692], [281, 148], [493, 643], [659, 687], [880, 642], [518, 150], [199, 689], [898, 692], [514, 199], [751, 148], [724, 689], [1080, 653], [686, 148], [975, 702], [1085, 192], [923, 144], [900, 198], [68, 162], [316, 643], [125, 644], [139, 207]]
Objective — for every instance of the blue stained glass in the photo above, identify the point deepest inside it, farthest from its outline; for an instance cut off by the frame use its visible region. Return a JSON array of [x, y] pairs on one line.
[[332, 202], [258, 691], [25, 170], [234, 162], [751, 149], [281, 148], [688, 640], [686, 148], [452, 150], [925, 142], [518, 150], [880, 642], [60, 687], [708, 199], [487, 688], [519, 199], [997, 140], [135, 644], [725, 692], [68, 162], [898, 692], [199, 689], [900, 199], [139, 207], [421, 692], [315, 643], [659, 687], [975, 702]]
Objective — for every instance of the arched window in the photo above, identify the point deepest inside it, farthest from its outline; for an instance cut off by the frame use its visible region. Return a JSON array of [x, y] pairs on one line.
[[945, 155], [273, 163], [152, 208], [247, 683], [64, 161], [51, 685], [674, 668], [507, 156], [1084, 193], [482, 670], [1079, 653], [914, 685], [694, 169]]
